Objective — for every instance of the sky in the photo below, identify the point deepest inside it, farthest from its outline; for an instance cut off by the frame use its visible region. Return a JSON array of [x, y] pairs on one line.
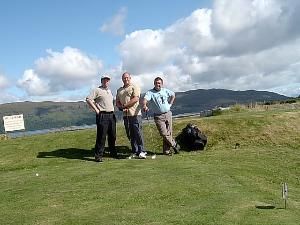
[[57, 50]]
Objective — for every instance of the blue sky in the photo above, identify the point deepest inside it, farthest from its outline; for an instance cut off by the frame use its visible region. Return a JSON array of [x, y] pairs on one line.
[[56, 50]]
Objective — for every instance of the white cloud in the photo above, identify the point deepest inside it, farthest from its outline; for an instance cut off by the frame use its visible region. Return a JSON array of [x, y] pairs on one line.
[[60, 71], [116, 24], [194, 33], [32, 84], [71, 63], [292, 90], [235, 45], [142, 51], [251, 26], [5, 86], [6, 97], [4, 82]]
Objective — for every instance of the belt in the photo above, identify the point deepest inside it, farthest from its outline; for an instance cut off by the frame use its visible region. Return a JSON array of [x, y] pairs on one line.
[[131, 116], [158, 114], [104, 112]]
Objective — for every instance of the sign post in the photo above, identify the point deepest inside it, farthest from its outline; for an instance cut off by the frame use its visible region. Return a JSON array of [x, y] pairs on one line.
[[284, 193]]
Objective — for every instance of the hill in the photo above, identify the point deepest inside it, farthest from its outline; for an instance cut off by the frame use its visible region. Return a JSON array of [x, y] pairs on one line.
[[201, 99], [46, 115], [53, 179]]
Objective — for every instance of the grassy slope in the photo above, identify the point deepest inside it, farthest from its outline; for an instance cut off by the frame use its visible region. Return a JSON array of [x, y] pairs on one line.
[[221, 185]]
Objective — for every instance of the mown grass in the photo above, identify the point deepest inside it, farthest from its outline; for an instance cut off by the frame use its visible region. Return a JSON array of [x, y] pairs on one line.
[[224, 184]]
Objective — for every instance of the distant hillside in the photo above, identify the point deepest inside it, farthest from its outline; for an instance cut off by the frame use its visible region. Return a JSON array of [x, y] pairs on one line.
[[201, 99], [45, 115]]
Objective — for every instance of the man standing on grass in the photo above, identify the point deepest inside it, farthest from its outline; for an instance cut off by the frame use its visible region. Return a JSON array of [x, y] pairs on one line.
[[101, 101], [163, 99], [127, 100]]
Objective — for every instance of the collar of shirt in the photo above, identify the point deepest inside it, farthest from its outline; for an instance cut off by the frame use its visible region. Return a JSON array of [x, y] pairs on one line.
[[103, 88]]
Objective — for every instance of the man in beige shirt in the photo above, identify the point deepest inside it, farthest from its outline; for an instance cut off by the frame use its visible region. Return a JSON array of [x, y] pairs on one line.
[[127, 100], [101, 101]]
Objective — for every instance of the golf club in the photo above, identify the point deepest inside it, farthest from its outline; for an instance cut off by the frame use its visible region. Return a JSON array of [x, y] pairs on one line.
[[151, 135], [127, 129]]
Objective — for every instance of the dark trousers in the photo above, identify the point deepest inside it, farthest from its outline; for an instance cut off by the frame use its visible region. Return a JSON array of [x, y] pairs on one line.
[[133, 127], [106, 126]]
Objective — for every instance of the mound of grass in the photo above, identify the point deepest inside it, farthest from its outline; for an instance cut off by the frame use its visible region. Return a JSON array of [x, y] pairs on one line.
[[53, 179]]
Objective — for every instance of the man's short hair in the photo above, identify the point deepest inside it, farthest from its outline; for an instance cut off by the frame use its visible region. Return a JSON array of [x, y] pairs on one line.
[[125, 73], [158, 78]]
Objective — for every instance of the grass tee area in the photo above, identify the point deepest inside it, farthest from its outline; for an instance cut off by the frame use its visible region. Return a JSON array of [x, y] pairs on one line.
[[53, 179]]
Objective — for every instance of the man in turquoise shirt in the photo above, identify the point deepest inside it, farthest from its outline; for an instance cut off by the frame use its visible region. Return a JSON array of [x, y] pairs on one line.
[[163, 99]]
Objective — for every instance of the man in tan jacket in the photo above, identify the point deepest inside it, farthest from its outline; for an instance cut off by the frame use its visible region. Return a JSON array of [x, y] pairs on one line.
[[127, 100]]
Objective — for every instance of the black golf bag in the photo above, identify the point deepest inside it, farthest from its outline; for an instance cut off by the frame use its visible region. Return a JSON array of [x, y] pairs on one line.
[[192, 138]]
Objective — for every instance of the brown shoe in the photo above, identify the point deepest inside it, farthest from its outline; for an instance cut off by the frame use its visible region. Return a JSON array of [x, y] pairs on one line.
[[176, 148]]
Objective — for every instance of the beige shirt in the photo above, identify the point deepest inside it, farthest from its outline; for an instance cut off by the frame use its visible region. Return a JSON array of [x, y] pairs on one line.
[[124, 94], [103, 99]]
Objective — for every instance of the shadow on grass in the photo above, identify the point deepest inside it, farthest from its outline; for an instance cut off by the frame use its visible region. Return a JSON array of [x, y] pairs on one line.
[[185, 148], [265, 206], [83, 154]]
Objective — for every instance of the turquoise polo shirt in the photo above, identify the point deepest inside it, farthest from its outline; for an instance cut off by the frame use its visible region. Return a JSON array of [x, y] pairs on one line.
[[160, 99]]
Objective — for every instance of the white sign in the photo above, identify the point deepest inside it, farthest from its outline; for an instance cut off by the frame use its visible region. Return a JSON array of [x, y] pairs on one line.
[[14, 122]]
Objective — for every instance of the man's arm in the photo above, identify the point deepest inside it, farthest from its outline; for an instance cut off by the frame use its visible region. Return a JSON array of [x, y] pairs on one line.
[[132, 101], [171, 99], [118, 103], [145, 107], [134, 98], [92, 104]]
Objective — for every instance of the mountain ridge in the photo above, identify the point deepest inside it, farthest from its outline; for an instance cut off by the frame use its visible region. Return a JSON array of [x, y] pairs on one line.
[[48, 114]]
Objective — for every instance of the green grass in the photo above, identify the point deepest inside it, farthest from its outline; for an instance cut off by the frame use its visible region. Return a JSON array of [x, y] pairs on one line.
[[220, 185]]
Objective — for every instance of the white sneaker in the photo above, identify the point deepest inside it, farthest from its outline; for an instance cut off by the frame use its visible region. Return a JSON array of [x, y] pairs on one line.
[[167, 153], [132, 156], [142, 155]]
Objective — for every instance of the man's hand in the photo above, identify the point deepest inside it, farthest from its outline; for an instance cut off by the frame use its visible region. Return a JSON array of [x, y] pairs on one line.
[[145, 108]]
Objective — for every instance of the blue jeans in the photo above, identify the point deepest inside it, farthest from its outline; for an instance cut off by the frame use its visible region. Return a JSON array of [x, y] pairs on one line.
[[133, 127]]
